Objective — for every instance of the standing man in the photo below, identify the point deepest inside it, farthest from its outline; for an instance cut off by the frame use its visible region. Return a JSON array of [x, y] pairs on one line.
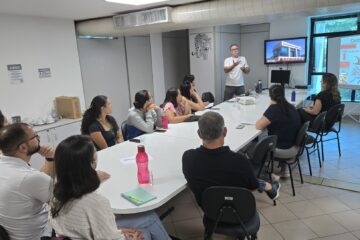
[[24, 191], [235, 66]]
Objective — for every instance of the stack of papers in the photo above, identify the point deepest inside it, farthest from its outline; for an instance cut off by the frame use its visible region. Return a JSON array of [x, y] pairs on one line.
[[138, 196]]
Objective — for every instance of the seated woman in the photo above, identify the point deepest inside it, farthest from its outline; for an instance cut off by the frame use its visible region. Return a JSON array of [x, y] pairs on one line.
[[192, 97], [191, 79], [79, 212], [144, 116], [281, 119], [101, 126], [176, 107], [328, 97]]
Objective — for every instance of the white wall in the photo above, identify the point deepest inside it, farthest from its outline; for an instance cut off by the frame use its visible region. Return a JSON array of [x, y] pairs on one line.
[[252, 47], [138, 56], [104, 72], [291, 27], [176, 57], [36, 42], [224, 37], [203, 69]]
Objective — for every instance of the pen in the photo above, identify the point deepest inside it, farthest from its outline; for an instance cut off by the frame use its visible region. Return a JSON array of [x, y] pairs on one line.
[[248, 123]]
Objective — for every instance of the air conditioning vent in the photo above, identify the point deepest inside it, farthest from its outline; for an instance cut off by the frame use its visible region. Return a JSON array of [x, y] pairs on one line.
[[153, 16]]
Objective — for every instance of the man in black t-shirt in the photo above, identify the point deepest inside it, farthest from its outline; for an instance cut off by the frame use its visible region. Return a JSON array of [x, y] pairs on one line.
[[213, 164]]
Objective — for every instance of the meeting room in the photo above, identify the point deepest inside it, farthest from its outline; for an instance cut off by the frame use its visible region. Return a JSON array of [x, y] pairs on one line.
[[179, 120]]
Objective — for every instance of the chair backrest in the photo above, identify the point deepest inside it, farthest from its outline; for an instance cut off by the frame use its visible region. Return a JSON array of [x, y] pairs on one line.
[[3, 234], [318, 123], [333, 115], [263, 150], [301, 137], [208, 97], [228, 199], [124, 130]]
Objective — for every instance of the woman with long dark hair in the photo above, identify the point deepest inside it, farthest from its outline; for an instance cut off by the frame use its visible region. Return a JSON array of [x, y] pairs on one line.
[[281, 119], [79, 212], [144, 116], [191, 96], [328, 97], [176, 107], [99, 124]]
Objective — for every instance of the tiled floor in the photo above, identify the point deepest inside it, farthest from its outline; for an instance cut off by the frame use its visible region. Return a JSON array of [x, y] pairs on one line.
[[345, 169], [316, 212]]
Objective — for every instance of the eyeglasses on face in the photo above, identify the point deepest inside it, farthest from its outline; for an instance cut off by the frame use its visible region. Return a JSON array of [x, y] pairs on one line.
[[29, 139]]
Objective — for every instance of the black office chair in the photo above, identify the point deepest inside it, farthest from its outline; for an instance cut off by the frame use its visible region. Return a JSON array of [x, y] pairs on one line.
[[334, 115], [312, 141], [230, 211], [293, 161], [208, 97], [261, 153], [3, 234], [124, 130]]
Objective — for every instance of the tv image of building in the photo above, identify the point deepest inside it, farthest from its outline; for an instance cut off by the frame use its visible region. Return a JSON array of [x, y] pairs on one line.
[[286, 52]]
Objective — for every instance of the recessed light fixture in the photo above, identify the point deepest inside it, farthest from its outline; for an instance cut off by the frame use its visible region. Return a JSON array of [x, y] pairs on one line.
[[136, 2]]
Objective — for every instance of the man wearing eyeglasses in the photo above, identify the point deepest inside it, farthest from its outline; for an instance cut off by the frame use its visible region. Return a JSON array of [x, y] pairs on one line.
[[235, 67], [24, 191]]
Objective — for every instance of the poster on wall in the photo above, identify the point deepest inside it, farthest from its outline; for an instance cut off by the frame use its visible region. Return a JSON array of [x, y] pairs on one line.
[[349, 69], [44, 72], [15, 73], [201, 46]]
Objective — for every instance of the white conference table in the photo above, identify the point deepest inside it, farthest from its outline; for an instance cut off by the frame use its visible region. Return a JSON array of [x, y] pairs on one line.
[[166, 150]]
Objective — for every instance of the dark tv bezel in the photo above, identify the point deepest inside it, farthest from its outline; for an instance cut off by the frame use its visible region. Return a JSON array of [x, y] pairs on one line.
[[283, 62]]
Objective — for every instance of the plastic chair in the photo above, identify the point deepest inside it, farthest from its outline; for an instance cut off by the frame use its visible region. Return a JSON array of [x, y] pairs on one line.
[[124, 130], [294, 160], [3, 234], [334, 115], [261, 153], [230, 211], [312, 142]]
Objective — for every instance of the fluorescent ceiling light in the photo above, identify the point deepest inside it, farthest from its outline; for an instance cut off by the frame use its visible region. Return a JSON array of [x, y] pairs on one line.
[[136, 2]]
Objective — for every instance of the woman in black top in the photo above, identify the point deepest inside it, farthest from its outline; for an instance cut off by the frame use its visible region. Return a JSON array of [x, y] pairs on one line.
[[328, 97], [102, 127], [281, 119]]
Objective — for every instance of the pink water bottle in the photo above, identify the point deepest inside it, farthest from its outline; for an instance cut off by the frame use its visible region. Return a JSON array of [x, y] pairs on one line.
[[142, 161], [164, 120]]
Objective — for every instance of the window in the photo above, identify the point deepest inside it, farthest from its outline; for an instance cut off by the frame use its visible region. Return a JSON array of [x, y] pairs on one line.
[[345, 94], [336, 25], [323, 28]]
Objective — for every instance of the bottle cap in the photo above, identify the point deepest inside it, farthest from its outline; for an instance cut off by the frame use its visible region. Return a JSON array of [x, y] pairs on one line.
[[141, 148]]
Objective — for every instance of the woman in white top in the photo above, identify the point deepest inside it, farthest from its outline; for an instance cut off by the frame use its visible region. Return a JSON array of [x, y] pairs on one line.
[[78, 212]]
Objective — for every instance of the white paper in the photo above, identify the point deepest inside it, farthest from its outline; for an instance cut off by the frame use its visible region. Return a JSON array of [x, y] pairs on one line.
[[131, 159], [209, 105]]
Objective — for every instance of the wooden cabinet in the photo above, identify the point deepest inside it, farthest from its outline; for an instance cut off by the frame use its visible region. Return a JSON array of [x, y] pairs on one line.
[[52, 136]]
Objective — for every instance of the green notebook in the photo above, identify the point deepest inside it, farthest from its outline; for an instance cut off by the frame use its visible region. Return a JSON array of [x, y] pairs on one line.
[[138, 196]]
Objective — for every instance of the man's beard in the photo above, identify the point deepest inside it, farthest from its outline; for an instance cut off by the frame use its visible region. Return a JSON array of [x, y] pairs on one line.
[[33, 150]]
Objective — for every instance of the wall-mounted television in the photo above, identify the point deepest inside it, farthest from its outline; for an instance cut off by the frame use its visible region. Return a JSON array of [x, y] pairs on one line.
[[285, 51]]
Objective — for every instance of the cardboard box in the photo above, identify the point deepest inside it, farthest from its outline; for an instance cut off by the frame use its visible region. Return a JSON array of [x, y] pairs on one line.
[[68, 107]]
